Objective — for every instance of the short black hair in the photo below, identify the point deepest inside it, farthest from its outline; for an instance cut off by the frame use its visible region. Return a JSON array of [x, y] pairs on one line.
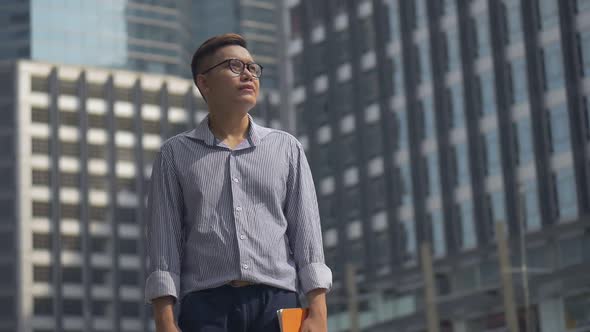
[[210, 46]]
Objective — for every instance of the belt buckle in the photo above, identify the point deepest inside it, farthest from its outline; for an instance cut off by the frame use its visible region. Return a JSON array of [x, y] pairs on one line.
[[239, 283]]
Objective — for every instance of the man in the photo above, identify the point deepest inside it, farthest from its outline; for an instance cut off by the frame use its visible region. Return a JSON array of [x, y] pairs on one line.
[[233, 228]]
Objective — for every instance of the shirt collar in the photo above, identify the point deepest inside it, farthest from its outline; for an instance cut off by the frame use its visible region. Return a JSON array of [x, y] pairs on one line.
[[203, 132]]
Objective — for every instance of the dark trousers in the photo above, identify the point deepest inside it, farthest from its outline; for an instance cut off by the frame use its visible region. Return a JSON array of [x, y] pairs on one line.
[[235, 309]]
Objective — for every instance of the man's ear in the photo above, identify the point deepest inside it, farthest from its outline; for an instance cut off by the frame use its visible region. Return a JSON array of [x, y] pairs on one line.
[[202, 84]]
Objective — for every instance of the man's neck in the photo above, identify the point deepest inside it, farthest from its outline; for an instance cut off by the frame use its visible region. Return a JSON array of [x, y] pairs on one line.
[[231, 128]]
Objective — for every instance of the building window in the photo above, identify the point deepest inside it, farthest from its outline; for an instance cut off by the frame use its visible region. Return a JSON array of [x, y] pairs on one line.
[[297, 68], [98, 213], [530, 205], [423, 71], [584, 51], [487, 100], [356, 254], [129, 309], [97, 121], [39, 115], [126, 124], [41, 209], [429, 119], [151, 127], [70, 211], [68, 88], [126, 215], [481, 34], [449, 7], [125, 154], [369, 87], [383, 247], [421, 13], [70, 242], [40, 146], [39, 84], [438, 233], [42, 274], [374, 141], [124, 94], [524, 145], [496, 208], [129, 277], [462, 157], [342, 102], [376, 197], [99, 245], [352, 199], [553, 66], [582, 5], [492, 153], [408, 240], [566, 196], [97, 151], [456, 106], [348, 149], [295, 16], [512, 19], [341, 42], [518, 81], [452, 50], [43, 306], [42, 241], [467, 225], [97, 182], [72, 307], [432, 178], [393, 23], [71, 149], [367, 31], [95, 90], [318, 59], [559, 129], [40, 178], [101, 276], [326, 207], [548, 14], [398, 76], [72, 274]]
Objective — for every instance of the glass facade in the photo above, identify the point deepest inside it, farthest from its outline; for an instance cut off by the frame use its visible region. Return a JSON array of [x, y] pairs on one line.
[[466, 143], [139, 35]]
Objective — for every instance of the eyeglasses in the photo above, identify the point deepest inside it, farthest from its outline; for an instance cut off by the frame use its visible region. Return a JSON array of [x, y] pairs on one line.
[[238, 66]]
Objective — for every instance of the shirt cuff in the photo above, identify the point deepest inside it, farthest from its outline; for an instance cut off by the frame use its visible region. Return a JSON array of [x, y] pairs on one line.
[[161, 283], [315, 275]]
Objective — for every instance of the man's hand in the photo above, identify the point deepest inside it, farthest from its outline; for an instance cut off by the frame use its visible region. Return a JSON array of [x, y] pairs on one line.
[[317, 319], [163, 308]]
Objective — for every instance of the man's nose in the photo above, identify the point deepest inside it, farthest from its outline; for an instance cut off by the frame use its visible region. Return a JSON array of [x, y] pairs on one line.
[[247, 75]]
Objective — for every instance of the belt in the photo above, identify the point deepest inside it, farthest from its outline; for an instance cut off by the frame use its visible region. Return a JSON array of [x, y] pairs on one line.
[[240, 283]]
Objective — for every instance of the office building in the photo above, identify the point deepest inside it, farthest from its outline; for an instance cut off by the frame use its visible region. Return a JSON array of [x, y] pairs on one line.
[[429, 122], [77, 148], [142, 35]]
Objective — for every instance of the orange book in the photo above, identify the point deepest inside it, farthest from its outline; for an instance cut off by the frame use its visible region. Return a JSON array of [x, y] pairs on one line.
[[291, 319]]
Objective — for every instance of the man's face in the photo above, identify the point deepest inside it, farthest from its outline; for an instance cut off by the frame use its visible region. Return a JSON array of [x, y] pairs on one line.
[[221, 85]]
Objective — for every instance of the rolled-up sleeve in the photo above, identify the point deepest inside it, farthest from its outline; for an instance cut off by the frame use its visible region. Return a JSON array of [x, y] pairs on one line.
[[304, 229], [164, 229]]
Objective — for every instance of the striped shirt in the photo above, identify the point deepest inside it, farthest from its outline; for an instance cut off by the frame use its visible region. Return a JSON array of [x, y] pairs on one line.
[[217, 215]]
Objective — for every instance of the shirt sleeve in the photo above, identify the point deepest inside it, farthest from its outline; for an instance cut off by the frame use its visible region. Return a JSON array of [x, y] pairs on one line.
[[164, 240], [304, 229]]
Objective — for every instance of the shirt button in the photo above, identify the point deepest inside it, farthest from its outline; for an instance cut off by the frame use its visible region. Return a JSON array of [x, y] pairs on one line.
[[242, 237], [239, 208], [245, 266], [236, 180]]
